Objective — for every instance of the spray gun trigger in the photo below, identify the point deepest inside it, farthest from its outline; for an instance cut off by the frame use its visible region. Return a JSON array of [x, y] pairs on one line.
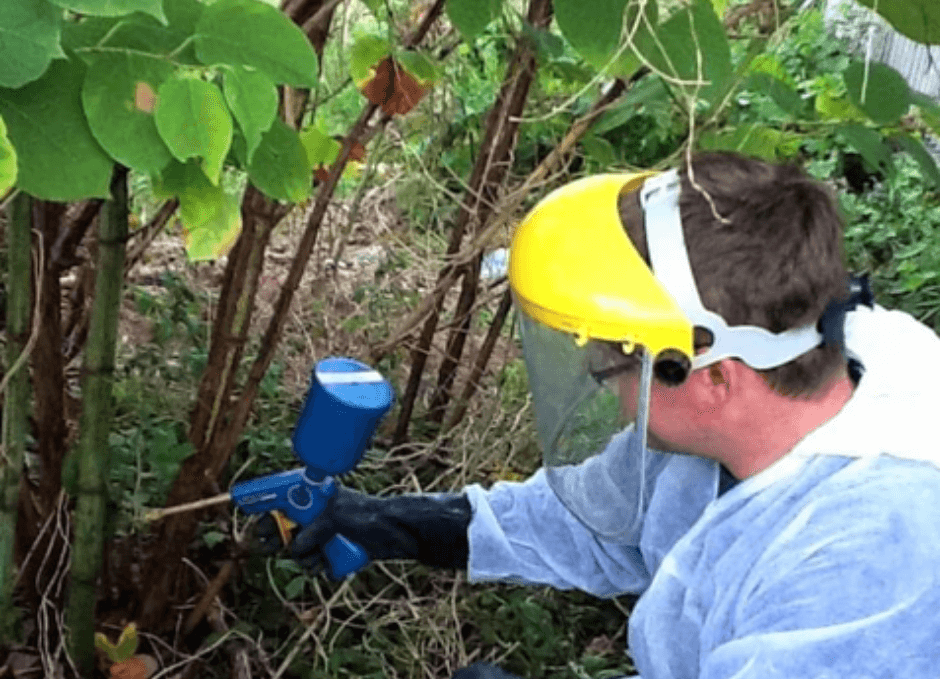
[[284, 526]]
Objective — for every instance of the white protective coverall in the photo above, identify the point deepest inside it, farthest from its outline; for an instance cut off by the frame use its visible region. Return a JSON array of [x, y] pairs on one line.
[[825, 564]]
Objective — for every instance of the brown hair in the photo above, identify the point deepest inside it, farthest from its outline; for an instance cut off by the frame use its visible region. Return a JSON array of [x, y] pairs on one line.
[[774, 260]]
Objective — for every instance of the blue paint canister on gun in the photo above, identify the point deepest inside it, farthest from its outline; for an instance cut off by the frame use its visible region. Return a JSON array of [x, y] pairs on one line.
[[346, 402]]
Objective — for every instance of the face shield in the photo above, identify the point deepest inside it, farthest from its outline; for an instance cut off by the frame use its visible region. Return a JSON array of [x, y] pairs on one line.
[[597, 325]]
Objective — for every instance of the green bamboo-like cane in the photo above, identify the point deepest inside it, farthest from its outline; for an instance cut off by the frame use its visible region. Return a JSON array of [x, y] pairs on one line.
[[93, 454], [16, 400]]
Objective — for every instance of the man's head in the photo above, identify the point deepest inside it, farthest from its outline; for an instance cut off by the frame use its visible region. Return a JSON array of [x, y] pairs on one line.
[[765, 247], [772, 257]]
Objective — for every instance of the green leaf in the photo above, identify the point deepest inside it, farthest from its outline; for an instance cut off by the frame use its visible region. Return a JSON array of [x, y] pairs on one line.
[[833, 107], [548, 46], [102, 642], [199, 198], [720, 7], [183, 15], [166, 452], [364, 54], [769, 64], [252, 33], [252, 98], [649, 89], [145, 34], [214, 237], [870, 144], [752, 140], [638, 29], [7, 161], [211, 217], [119, 96], [321, 149], [114, 8], [605, 32], [29, 40], [472, 16], [919, 20], [194, 122], [782, 94], [419, 67], [884, 95], [212, 538], [140, 32], [127, 645], [593, 28], [598, 150], [916, 149], [280, 168], [84, 32], [294, 588], [675, 50], [59, 158]]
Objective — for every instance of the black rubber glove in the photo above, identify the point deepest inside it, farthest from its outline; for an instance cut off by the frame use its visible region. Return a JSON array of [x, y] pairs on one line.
[[483, 670], [428, 527]]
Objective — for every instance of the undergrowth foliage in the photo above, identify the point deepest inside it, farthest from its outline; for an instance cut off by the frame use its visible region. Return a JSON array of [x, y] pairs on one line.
[[157, 87]]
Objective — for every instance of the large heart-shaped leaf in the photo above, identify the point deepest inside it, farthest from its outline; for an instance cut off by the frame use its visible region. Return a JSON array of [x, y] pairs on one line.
[[119, 96], [280, 167], [29, 40], [919, 20], [59, 158], [211, 217], [253, 33], [252, 98], [194, 122], [472, 16], [691, 48], [878, 90], [596, 29]]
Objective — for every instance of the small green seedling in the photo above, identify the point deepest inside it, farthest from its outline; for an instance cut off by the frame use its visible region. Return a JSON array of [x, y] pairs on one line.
[[124, 649], [125, 664]]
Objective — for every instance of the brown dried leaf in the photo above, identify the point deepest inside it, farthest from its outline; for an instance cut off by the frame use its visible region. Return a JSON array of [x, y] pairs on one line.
[[393, 88]]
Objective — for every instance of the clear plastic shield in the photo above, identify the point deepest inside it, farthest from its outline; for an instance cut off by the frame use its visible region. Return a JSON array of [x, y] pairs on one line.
[[577, 400]]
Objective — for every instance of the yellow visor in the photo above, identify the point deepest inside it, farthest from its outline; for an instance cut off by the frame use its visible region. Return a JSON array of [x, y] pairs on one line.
[[573, 268]]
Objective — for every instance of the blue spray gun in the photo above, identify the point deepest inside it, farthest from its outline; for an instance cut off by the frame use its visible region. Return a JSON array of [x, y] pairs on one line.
[[346, 402]]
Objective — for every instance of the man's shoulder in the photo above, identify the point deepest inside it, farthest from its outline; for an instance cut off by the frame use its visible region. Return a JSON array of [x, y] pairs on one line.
[[887, 479], [880, 502], [837, 505]]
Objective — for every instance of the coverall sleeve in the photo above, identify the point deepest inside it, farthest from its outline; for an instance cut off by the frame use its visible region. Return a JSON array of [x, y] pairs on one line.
[[521, 533], [849, 589]]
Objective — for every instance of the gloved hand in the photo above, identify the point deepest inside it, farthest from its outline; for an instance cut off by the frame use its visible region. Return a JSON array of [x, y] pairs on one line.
[[483, 670], [428, 527]]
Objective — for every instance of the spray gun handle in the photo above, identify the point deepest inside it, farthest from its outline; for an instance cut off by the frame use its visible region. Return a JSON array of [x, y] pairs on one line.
[[301, 500]]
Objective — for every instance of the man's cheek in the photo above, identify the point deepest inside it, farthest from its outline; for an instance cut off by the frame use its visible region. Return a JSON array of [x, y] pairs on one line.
[[626, 392]]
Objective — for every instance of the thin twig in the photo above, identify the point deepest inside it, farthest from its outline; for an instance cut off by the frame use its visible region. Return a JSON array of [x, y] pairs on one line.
[[688, 149], [157, 514]]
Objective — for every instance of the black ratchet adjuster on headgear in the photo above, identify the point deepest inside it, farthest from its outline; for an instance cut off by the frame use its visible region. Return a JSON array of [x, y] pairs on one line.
[[832, 323]]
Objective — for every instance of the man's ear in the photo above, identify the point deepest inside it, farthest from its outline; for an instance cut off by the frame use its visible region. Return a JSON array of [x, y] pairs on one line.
[[711, 386], [714, 371]]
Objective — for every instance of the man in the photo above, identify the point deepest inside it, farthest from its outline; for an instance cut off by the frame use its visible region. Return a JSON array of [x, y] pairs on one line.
[[793, 528]]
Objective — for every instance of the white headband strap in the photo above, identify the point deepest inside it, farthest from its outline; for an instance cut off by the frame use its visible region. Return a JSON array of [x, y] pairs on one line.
[[669, 260]]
